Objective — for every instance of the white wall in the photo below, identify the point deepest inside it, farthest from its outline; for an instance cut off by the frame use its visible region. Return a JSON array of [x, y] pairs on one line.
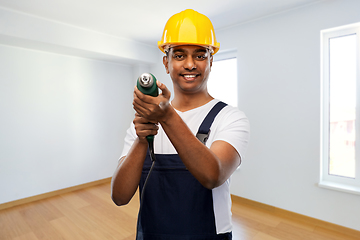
[[63, 120], [279, 90], [160, 73], [29, 31]]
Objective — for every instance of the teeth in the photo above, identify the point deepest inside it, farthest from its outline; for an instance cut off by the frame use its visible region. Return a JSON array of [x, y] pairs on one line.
[[189, 76]]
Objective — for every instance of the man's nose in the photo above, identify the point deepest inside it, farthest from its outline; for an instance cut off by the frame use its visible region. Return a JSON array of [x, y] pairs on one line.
[[189, 64]]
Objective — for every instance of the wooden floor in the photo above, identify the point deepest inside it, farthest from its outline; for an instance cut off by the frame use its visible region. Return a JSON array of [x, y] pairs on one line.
[[89, 214]]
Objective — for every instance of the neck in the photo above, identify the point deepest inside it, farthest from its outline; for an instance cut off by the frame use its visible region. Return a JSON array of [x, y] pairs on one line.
[[186, 102]]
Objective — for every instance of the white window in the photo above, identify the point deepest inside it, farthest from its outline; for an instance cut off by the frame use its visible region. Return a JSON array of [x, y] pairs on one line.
[[340, 138], [222, 83]]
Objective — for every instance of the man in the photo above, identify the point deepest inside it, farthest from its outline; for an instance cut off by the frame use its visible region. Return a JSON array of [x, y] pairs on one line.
[[187, 196]]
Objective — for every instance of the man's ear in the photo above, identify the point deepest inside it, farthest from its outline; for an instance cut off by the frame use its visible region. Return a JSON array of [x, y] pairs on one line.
[[211, 60], [166, 64]]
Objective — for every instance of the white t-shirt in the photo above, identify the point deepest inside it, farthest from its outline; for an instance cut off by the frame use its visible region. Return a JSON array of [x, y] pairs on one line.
[[230, 125]]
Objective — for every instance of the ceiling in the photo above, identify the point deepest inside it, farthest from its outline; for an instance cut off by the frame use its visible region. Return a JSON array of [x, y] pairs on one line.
[[144, 20]]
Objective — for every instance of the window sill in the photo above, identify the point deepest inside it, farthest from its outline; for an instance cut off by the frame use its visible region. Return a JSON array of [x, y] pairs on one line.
[[340, 187]]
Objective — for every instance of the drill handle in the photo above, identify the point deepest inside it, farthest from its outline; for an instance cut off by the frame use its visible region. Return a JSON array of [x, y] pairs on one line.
[[146, 83]]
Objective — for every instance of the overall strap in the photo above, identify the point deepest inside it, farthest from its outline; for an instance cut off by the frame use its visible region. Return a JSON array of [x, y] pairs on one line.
[[204, 129]]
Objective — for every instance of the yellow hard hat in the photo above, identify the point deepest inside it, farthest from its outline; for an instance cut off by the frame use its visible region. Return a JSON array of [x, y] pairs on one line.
[[189, 27]]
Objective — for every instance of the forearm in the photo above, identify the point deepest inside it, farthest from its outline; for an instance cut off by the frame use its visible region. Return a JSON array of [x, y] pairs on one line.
[[126, 178], [204, 165], [211, 167]]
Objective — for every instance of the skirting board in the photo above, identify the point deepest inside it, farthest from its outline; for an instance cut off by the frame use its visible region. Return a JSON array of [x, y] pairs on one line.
[[296, 216], [52, 194]]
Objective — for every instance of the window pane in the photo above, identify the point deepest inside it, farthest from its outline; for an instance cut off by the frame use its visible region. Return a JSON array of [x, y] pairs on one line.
[[342, 106], [222, 83]]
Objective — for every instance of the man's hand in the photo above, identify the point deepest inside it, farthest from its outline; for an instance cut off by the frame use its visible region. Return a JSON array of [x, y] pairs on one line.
[[152, 108], [144, 127]]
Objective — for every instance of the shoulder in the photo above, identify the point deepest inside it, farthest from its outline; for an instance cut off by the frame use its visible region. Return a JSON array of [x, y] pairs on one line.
[[232, 126], [230, 114]]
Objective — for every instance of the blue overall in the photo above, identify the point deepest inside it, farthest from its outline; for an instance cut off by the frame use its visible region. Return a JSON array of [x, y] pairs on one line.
[[175, 206]]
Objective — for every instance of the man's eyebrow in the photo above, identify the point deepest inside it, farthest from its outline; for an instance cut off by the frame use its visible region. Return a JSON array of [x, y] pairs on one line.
[[199, 50], [178, 50]]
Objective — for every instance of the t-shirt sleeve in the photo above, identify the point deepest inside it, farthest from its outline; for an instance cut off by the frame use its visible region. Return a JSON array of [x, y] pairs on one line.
[[234, 128], [129, 140]]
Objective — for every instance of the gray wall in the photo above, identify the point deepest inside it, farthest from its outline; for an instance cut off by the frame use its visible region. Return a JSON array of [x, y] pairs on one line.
[[63, 120]]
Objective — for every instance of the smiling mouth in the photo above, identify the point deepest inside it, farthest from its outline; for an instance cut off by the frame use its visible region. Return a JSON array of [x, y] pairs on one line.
[[189, 76]]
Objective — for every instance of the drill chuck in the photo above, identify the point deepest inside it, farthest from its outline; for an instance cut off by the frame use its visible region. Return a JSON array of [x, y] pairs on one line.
[[146, 83]]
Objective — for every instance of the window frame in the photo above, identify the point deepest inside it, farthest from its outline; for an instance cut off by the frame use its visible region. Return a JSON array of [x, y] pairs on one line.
[[350, 185]]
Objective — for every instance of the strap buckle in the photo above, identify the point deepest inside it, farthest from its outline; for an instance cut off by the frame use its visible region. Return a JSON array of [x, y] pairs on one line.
[[203, 137]]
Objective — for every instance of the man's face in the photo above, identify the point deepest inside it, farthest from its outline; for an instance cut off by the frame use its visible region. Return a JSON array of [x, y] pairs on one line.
[[189, 67]]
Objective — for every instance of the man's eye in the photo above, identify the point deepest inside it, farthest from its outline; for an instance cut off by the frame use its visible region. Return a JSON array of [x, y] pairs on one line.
[[178, 56], [201, 56]]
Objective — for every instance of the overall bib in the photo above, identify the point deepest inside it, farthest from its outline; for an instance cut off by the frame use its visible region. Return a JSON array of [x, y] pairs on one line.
[[175, 206]]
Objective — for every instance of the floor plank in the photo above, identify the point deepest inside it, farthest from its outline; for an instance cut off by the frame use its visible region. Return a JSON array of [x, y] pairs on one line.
[[90, 214]]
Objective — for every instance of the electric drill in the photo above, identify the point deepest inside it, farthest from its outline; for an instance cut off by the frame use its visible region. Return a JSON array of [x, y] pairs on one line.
[[146, 83]]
